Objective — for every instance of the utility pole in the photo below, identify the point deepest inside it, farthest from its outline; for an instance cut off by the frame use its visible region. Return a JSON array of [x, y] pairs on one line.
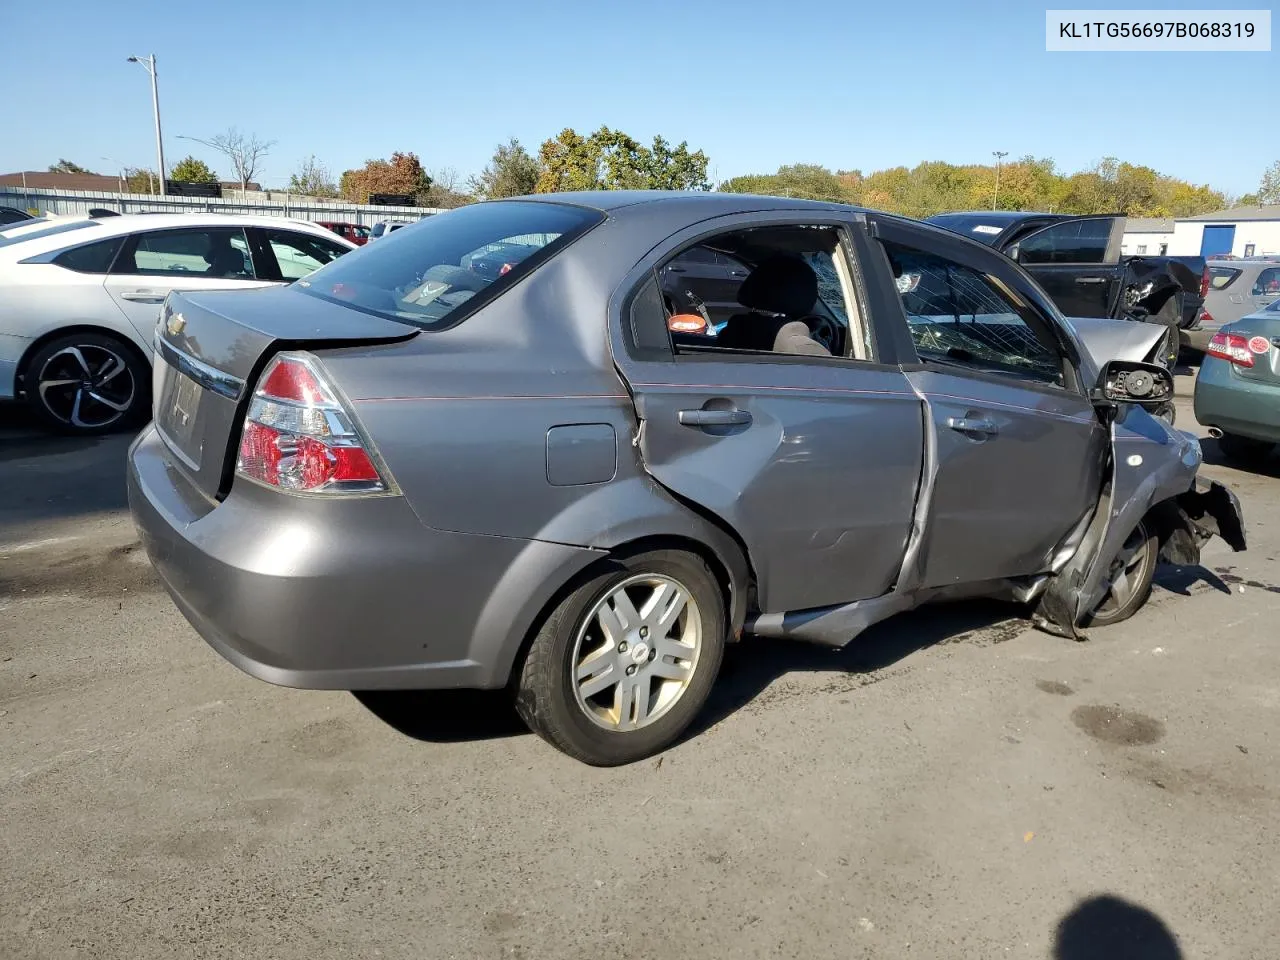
[[999, 155], [149, 64]]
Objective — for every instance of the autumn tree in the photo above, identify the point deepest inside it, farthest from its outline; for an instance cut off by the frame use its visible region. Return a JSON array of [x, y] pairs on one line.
[[191, 170], [447, 190], [66, 166], [402, 174], [512, 172], [312, 179], [806, 181], [140, 180], [1269, 188], [612, 160]]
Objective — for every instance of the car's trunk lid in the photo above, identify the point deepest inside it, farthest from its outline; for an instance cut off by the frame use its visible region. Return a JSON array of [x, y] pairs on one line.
[[211, 345]]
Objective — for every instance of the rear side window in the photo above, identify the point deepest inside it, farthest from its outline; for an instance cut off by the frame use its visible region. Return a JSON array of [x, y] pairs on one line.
[[379, 229], [1222, 277], [92, 257], [437, 273]]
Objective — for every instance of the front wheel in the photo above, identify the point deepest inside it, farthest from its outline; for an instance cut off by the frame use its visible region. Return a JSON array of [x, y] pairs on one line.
[[87, 384], [1129, 578], [622, 666]]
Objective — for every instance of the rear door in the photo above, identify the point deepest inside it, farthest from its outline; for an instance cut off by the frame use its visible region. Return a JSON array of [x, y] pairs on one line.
[[153, 262], [813, 460], [1266, 288], [1020, 450], [290, 255], [1077, 263]]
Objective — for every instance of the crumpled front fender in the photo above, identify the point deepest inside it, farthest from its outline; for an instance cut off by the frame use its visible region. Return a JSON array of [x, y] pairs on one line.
[[1153, 479]]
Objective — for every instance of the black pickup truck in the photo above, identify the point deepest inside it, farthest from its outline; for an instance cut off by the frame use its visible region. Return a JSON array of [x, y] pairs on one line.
[[1077, 261]]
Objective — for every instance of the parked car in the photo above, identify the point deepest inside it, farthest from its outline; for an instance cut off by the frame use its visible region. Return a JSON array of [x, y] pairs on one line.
[[13, 215], [1237, 394], [384, 227], [1077, 261], [1236, 288], [79, 298], [356, 233], [408, 475]]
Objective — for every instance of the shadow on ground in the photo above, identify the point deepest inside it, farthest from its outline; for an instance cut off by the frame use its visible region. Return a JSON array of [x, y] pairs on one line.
[[1267, 466], [750, 667], [1106, 927], [52, 477]]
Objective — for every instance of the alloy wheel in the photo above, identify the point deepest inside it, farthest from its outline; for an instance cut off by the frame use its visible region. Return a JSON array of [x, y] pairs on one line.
[[1128, 574], [636, 652], [88, 386]]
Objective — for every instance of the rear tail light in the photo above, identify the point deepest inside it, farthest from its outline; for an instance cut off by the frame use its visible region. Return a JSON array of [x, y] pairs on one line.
[[1205, 319], [1204, 283], [1232, 347], [298, 436]]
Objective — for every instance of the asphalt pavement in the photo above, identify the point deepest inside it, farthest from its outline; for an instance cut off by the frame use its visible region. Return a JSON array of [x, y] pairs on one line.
[[954, 784]]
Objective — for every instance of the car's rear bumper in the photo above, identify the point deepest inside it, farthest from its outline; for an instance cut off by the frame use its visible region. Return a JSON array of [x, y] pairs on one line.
[[1236, 405], [343, 593]]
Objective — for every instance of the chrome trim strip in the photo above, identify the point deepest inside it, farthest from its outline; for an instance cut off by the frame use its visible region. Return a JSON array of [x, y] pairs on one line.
[[211, 378]]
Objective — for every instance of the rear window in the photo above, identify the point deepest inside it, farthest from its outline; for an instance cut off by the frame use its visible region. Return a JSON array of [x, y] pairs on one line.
[[1222, 277], [437, 273]]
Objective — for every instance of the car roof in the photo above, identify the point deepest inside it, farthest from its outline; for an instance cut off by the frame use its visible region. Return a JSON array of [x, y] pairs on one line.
[[130, 222], [611, 200]]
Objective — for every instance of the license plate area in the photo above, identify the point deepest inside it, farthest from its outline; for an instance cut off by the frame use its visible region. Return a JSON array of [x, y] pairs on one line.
[[177, 414]]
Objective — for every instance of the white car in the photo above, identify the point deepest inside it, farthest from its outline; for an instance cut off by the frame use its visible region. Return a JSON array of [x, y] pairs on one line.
[[79, 300], [386, 227]]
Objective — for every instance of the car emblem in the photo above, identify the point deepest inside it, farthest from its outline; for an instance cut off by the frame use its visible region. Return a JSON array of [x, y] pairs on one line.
[[175, 324]]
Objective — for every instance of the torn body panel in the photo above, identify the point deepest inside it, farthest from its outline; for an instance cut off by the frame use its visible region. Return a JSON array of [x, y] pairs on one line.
[[1152, 477]]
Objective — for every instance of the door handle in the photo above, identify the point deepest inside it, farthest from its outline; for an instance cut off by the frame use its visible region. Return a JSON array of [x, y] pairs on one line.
[[1091, 279], [672, 268], [737, 273], [714, 418], [965, 425], [142, 296]]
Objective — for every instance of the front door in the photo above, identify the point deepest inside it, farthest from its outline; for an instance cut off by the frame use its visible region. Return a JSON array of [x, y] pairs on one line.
[[1076, 261], [814, 460], [1019, 447], [191, 258]]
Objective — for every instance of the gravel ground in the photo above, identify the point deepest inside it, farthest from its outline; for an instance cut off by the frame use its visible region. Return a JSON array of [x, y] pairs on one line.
[[955, 784]]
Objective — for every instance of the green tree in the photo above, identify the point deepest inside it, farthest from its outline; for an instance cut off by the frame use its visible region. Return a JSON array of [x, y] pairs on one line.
[[510, 173], [1269, 188], [66, 166], [403, 174], [806, 181], [191, 170], [612, 160], [312, 179], [140, 180]]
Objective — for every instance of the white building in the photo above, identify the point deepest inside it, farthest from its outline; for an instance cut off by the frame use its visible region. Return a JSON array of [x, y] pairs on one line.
[[1152, 235], [1240, 232]]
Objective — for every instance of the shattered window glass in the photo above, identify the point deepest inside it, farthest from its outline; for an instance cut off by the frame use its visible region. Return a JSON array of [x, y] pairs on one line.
[[958, 315]]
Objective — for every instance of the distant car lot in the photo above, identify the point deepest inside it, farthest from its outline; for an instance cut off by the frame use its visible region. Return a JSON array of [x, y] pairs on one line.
[[954, 778]]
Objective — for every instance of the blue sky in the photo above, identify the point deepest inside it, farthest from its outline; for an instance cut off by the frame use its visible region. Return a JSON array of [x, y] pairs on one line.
[[754, 83]]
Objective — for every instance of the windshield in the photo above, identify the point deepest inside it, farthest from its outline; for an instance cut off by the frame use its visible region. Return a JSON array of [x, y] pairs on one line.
[[971, 225], [426, 275]]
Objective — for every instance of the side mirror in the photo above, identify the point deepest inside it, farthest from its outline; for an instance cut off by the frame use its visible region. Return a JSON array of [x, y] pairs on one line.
[[1015, 252], [1146, 384]]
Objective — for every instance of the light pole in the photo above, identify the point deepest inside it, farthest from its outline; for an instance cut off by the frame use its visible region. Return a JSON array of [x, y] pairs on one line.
[[999, 155], [149, 64]]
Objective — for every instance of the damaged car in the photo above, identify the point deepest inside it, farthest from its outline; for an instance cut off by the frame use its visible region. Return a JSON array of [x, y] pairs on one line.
[[398, 473]]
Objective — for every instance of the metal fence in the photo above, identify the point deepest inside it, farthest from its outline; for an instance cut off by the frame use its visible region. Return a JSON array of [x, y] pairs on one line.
[[79, 202]]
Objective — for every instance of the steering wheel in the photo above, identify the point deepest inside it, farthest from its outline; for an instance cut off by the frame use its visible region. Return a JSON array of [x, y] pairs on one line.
[[822, 330]]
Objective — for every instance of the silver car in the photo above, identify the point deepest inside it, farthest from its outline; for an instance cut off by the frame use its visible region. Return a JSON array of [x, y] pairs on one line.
[[1236, 288], [401, 472]]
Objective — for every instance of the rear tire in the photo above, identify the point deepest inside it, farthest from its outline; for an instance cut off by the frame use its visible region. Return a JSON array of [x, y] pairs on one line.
[[623, 664], [1132, 572], [85, 384], [1244, 449]]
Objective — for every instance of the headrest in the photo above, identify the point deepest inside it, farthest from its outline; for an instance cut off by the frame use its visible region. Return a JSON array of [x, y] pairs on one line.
[[781, 284]]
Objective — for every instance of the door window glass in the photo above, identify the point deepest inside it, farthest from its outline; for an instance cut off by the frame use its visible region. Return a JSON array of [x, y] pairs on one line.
[[209, 252], [960, 316], [298, 254], [1076, 241], [1222, 277], [1268, 283]]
